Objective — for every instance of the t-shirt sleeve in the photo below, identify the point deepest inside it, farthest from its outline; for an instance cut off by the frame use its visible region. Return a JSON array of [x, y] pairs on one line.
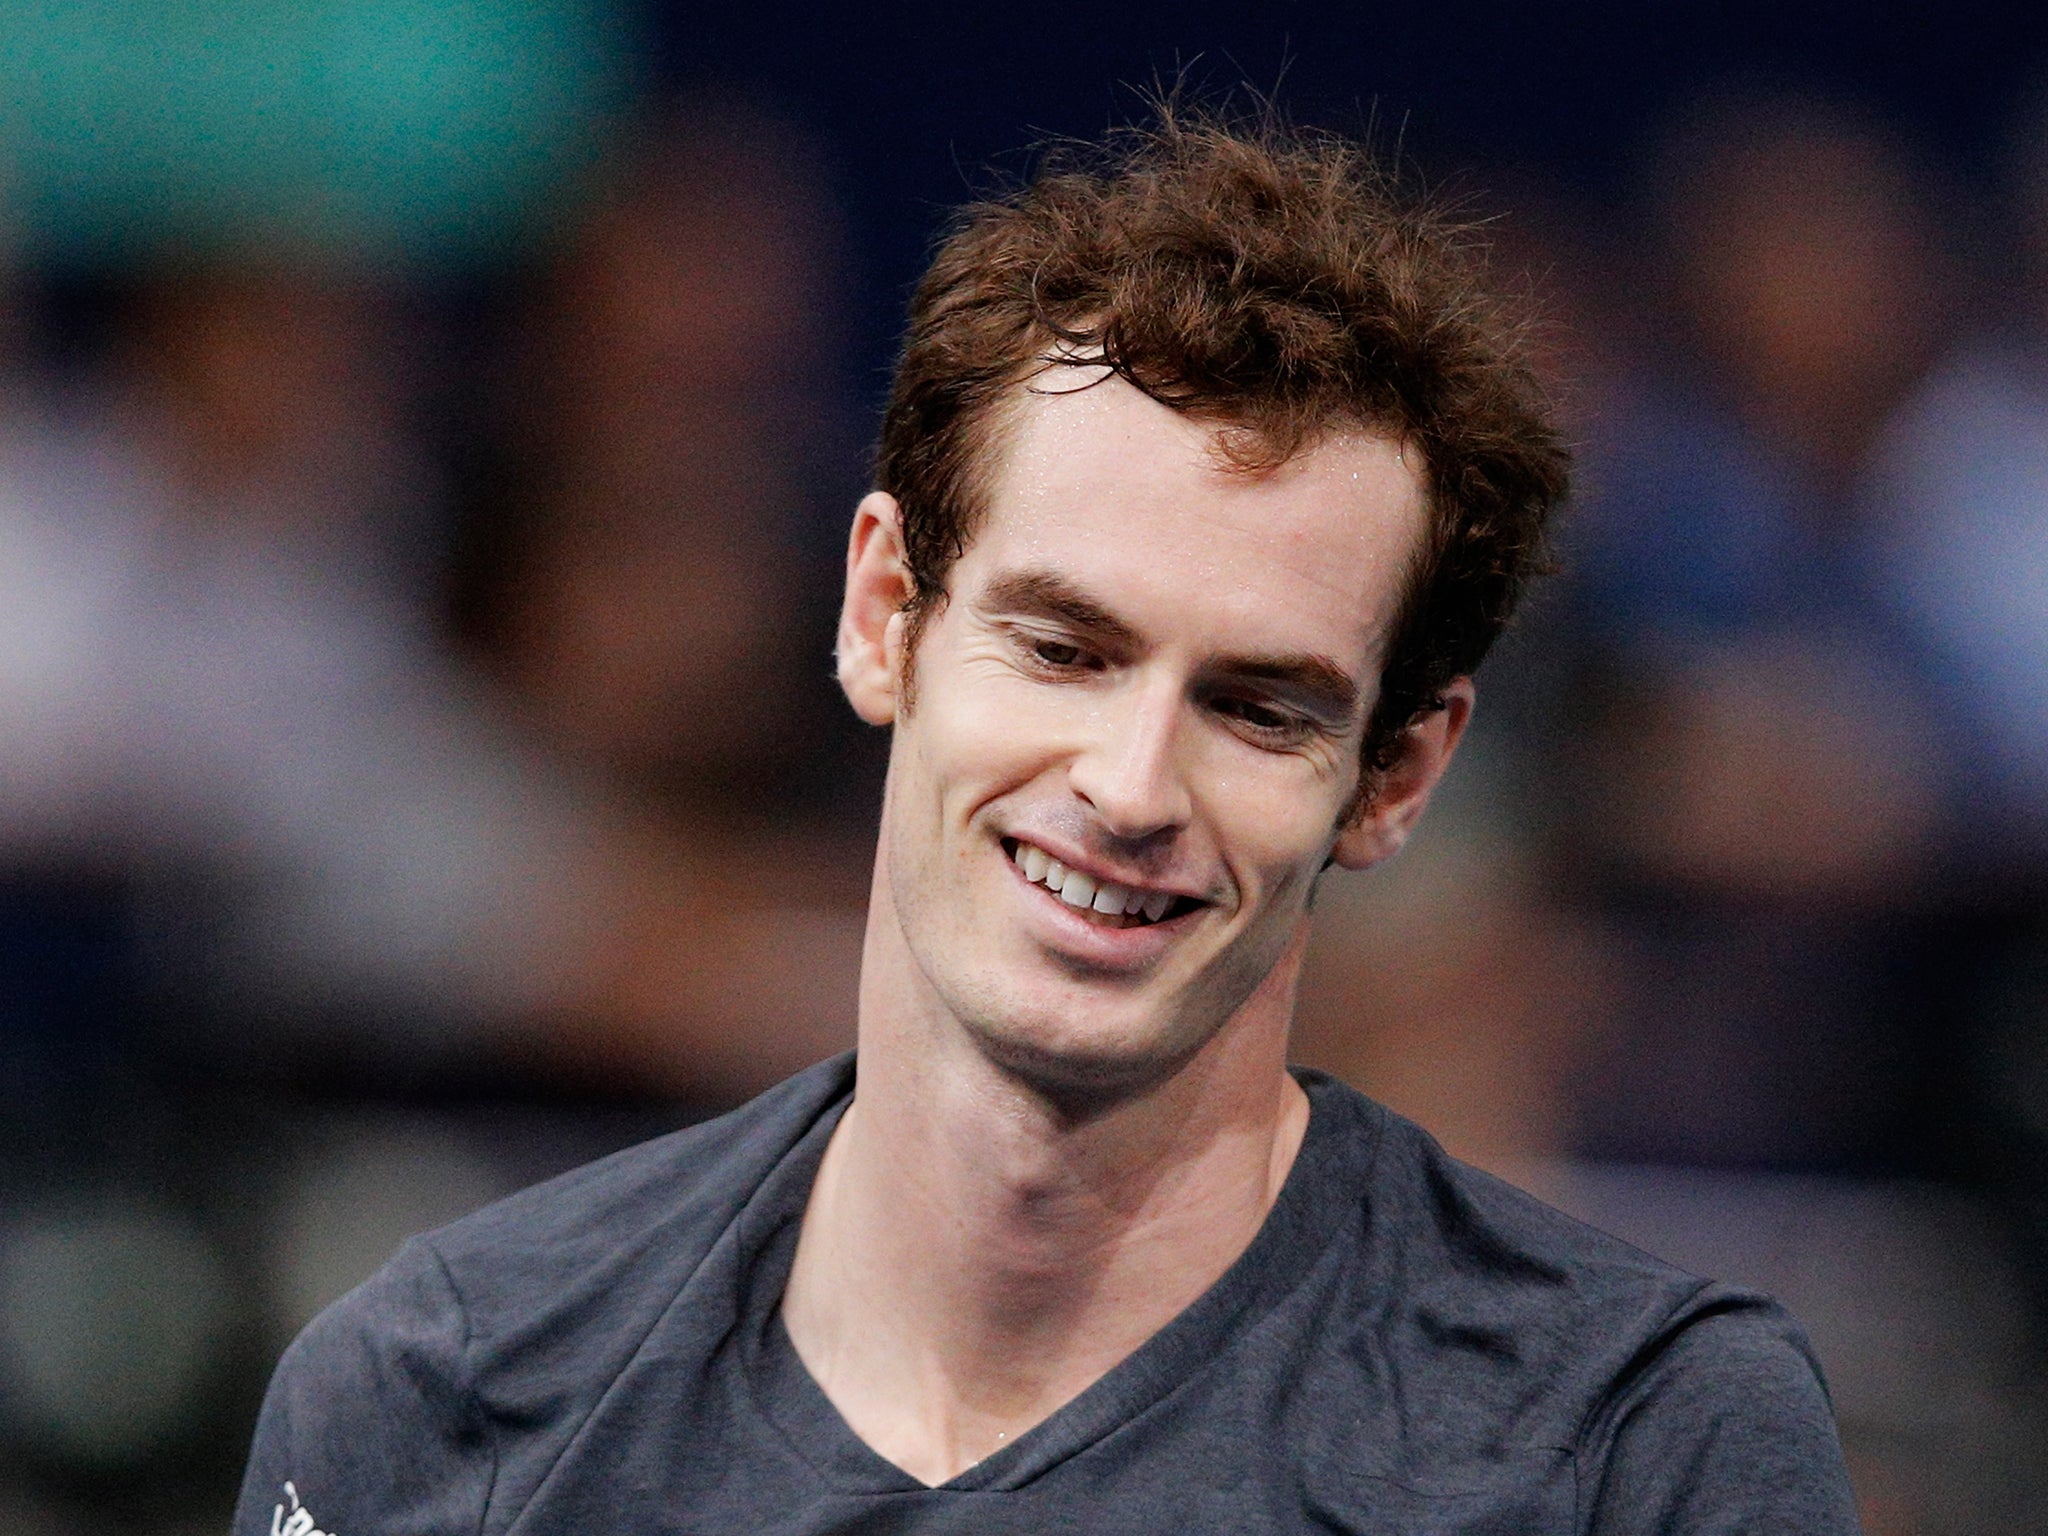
[[370, 1423], [1723, 1430]]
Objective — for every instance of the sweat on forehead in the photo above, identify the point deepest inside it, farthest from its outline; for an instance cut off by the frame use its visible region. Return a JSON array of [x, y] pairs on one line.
[[1070, 387]]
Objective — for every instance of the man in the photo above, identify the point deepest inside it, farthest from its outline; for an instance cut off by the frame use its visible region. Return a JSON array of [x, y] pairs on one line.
[[1207, 480]]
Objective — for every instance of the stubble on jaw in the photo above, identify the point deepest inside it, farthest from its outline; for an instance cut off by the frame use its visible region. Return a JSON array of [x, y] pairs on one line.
[[1081, 1085], [1056, 1062]]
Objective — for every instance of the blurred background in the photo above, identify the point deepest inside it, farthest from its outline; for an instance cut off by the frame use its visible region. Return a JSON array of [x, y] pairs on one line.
[[427, 431]]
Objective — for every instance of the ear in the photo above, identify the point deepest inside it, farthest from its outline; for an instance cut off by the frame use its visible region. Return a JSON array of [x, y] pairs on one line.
[[1403, 792], [871, 620]]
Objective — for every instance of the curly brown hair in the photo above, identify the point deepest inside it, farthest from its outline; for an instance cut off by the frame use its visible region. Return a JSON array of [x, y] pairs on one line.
[[1274, 281]]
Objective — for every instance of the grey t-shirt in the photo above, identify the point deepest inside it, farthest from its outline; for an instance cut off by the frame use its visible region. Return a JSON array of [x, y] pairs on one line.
[[1407, 1346]]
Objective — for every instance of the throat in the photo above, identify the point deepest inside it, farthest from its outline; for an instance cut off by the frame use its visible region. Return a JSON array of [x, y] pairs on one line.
[[945, 1314]]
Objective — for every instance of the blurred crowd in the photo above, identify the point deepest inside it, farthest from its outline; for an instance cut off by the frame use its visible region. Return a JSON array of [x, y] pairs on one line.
[[419, 766], [1743, 893]]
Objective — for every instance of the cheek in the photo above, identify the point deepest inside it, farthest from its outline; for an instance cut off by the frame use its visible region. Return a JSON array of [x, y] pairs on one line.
[[1275, 823], [984, 729]]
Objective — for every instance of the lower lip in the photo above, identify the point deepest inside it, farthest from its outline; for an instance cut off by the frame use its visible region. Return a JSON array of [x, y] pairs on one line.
[[1085, 939]]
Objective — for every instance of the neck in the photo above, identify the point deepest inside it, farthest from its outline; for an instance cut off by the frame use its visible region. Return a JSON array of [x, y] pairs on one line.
[[975, 1253]]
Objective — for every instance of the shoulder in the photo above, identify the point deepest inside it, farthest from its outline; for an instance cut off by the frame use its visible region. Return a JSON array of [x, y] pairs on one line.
[[370, 1420], [390, 1410], [1512, 1324], [685, 1184], [1494, 1284], [641, 1218], [1464, 1233]]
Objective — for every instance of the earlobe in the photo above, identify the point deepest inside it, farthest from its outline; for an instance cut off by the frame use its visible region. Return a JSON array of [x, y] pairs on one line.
[[871, 619], [1403, 793]]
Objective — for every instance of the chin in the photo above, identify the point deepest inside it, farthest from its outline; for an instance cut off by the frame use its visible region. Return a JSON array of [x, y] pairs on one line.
[[1082, 1070]]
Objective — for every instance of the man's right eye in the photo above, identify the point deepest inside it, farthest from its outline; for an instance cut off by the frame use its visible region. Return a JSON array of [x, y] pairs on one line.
[[1056, 653]]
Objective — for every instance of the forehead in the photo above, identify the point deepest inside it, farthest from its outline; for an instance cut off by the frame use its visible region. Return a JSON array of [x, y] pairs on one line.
[[1123, 494]]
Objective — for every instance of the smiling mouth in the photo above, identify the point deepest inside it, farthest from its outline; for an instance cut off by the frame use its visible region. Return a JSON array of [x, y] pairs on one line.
[[1103, 902]]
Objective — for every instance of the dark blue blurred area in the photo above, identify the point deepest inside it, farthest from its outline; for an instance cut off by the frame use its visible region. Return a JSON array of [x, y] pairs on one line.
[[919, 101], [69, 973]]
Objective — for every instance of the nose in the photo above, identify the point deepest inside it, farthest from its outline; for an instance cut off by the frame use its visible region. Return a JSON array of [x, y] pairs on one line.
[[1129, 770]]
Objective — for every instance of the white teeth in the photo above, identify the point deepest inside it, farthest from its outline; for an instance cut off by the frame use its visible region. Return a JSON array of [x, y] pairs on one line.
[[1085, 891]]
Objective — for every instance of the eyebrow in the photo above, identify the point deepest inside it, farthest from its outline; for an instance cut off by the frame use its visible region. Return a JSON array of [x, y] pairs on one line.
[[1315, 683], [1045, 594]]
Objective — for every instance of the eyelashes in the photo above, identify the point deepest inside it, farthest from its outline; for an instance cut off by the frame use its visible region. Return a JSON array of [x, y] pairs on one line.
[[1056, 658], [1059, 655], [1262, 719]]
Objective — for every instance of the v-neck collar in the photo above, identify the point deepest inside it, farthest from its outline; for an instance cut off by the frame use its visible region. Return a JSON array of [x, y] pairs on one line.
[[1337, 1150]]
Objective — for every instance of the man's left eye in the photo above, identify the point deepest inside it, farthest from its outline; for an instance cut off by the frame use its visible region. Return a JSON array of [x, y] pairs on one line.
[[1056, 653], [1262, 718]]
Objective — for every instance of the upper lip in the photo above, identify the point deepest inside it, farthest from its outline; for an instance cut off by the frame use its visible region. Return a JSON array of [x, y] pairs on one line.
[[1100, 872]]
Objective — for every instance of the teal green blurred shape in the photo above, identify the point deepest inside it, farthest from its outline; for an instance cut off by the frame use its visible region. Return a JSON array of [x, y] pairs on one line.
[[421, 129]]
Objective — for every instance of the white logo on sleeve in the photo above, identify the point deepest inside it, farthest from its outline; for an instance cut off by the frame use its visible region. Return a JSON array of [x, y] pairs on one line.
[[296, 1521]]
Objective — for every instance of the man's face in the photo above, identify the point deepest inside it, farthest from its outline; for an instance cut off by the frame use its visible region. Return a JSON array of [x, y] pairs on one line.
[[1148, 688]]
